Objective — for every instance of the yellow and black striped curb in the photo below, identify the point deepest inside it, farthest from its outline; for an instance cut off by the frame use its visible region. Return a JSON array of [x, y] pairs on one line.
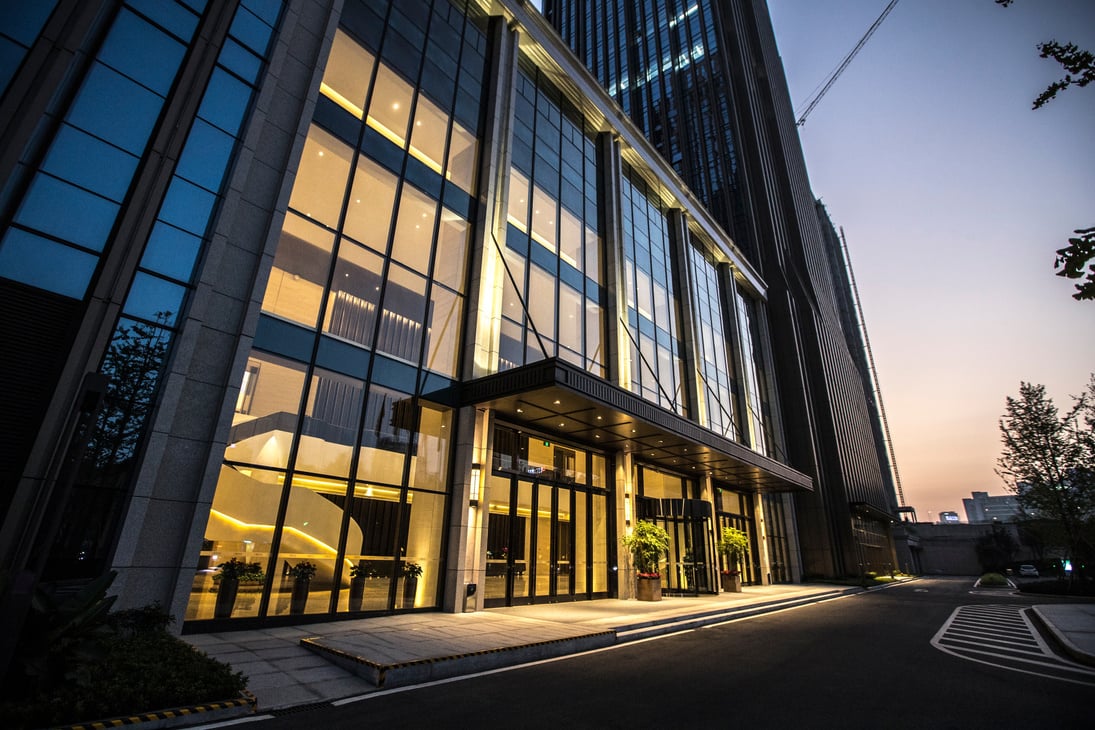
[[381, 670], [246, 699]]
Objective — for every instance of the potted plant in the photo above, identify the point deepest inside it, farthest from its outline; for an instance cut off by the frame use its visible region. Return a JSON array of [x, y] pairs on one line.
[[733, 545], [228, 578], [358, 574], [647, 543], [411, 573], [302, 574]]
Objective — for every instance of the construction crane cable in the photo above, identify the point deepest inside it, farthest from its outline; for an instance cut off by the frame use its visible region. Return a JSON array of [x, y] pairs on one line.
[[844, 64]]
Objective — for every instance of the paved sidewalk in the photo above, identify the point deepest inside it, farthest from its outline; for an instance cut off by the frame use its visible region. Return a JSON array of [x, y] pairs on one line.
[[316, 663], [297, 665]]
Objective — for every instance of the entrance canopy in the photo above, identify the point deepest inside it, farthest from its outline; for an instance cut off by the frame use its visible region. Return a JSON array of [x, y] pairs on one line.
[[553, 396]]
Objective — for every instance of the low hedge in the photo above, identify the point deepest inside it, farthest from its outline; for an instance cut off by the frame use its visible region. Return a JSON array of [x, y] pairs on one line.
[[143, 672]]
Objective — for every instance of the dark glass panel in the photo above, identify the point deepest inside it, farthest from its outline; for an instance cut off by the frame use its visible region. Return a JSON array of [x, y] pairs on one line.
[[187, 206], [57, 208], [168, 14], [342, 357], [154, 299], [45, 264], [225, 102], [249, 30], [280, 336], [90, 163], [205, 158], [171, 252], [23, 21], [142, 52], [241, 61], [115, 109], [267, 10]]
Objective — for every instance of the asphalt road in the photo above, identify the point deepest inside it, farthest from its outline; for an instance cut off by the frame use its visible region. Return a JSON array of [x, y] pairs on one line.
[[865, 661]]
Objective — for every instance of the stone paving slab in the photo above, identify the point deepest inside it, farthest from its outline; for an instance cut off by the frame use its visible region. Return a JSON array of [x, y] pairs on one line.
[[391, 658]]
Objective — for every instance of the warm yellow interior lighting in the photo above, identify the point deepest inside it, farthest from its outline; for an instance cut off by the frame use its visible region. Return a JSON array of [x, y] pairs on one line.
[[341, 100]]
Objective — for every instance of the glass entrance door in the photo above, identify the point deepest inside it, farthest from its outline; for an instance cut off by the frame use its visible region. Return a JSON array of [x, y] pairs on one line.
[[532, 554]]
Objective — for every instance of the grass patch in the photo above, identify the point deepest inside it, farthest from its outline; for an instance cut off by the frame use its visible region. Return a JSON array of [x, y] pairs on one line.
[[993, 579]]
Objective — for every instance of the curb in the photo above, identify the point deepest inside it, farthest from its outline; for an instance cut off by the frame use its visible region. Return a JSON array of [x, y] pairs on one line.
[[1070, 648], [175, 716], [398, 674], [649, 629]]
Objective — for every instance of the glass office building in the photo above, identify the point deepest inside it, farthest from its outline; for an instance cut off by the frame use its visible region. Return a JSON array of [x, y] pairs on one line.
[[704, 82], [388, 296]]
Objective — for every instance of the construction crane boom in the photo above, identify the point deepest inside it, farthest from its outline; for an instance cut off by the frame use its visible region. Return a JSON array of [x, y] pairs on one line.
[[844, 64]]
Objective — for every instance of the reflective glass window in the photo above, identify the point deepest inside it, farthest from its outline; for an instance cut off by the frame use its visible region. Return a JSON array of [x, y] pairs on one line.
[[430, 458], [241, 526], [543, 218], [225, 102], [90, 163], [187, 206], [541, 302], [389, 422], [329, 431], [518, 200], [451, 263], [116, 109], [154, 299], [403, 314], [299, 275], [426, 520], [390, 106], [372, 200], [321, 178], [463, 158], [354, 295], [429, 133], [67, 212], [171, 251], [266, 411], [309, 534], [45, 264], [205, 158], [443, 330], [413, 240], [347, 74], [142, 52]]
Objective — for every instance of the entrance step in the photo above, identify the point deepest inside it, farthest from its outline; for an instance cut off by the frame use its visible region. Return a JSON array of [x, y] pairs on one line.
[[482, 643]]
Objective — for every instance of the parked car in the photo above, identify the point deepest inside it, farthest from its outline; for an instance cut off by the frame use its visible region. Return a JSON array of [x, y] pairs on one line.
[[1028, 571]]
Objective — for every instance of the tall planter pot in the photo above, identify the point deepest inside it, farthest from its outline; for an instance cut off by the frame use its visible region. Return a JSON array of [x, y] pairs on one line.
[[648, 589], [299, 598], [410, 590], [226, 597], [357, 593], [731, 583]]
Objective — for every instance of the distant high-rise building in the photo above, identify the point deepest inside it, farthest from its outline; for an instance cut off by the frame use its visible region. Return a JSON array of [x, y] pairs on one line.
[[948, 518], [983, 508], [704, 81]]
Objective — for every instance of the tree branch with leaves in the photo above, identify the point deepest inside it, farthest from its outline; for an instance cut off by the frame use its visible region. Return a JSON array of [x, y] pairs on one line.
[[1077, 259]]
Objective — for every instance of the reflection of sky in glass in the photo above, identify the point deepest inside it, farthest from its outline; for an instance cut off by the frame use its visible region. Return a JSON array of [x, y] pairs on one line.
[[150, 297], [171, 252], [46, 264], [55, 207]]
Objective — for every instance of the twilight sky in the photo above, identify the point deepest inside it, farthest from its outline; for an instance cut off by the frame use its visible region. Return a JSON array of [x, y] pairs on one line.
[[953, 195]]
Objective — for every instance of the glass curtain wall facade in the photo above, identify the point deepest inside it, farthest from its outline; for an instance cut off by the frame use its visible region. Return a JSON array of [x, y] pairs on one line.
[[256, 299], [704, 82], [554, 299], [336, 459]]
